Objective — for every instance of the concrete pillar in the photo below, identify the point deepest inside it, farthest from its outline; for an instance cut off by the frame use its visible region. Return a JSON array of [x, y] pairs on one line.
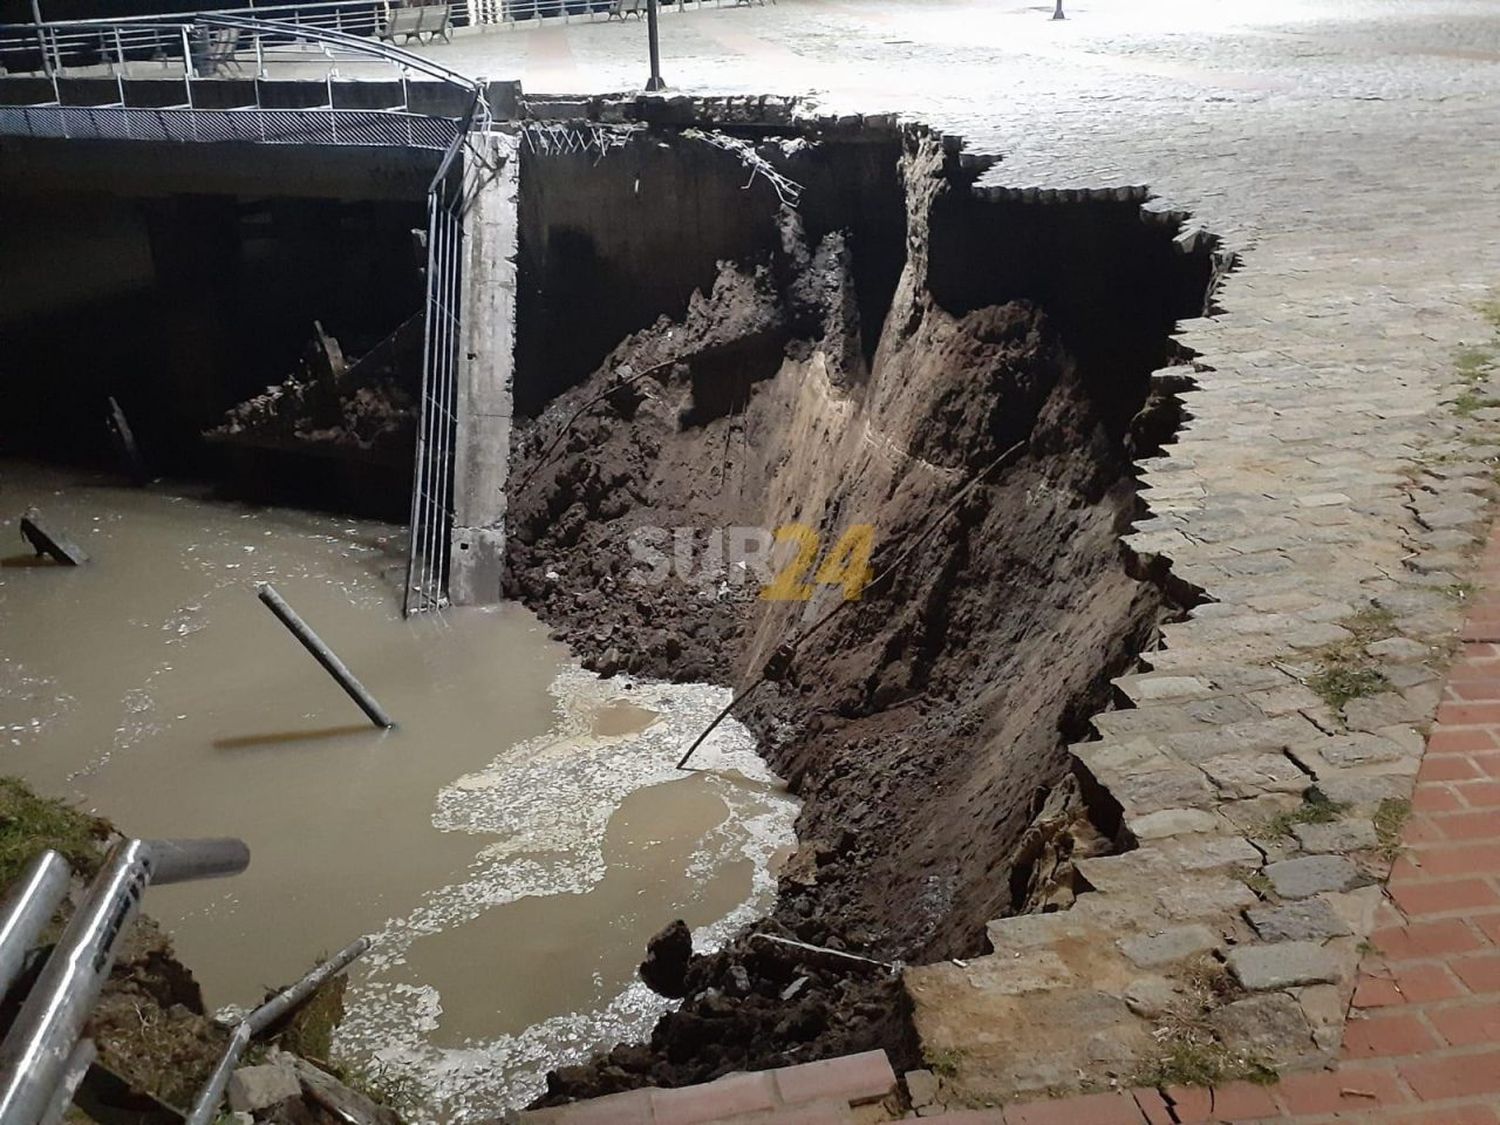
[[486, 369]]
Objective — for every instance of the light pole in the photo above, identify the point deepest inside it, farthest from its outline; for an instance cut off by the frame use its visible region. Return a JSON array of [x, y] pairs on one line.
[[1057, 12], [655, 81]]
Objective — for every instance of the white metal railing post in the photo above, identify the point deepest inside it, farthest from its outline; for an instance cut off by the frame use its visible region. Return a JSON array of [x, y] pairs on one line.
[[187, 64], [120, 72]]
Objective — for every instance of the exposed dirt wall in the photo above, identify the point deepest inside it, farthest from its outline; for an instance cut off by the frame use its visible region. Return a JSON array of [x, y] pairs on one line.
[[988, 442]]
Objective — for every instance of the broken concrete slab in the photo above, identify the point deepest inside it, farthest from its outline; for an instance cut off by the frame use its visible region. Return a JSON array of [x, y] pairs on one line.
[[1272, 1027], [1176, 943], [1312, 919], [921, 1087], [51, 541], [1311, 875], [1340, 836], [253, 1088]]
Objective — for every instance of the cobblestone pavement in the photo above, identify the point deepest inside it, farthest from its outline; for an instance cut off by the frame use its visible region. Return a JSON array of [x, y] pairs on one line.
[[1422, 1043], [1328, 493]]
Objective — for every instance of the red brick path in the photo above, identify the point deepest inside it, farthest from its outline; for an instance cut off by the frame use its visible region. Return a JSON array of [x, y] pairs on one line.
[[1423, 1039]]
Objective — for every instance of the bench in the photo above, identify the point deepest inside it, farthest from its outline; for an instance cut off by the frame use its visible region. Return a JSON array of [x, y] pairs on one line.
[[622, 8], [431, 20]]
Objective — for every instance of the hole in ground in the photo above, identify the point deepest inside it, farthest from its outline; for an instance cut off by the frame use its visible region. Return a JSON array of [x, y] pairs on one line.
[[971, 380]]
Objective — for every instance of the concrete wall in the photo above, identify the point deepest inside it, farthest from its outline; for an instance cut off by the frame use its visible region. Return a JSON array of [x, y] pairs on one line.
[[486, 371], [609, 244], [179, 302]]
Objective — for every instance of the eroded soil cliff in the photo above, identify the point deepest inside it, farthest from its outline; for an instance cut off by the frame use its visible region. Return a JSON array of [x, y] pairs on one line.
[[988, 446]]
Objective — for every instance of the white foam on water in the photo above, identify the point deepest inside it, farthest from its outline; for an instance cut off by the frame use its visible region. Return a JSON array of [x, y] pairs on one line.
[[543, 807]]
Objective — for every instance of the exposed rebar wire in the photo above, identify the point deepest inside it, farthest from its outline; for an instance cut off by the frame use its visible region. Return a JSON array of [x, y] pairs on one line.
[[788, 191], [557, 138]]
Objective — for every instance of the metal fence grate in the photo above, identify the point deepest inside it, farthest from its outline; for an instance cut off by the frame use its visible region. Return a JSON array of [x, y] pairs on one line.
[[432, 478], [258, 126]]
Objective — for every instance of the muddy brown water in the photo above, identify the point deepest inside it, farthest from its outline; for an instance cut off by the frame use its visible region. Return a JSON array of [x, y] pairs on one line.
[[510, 846]]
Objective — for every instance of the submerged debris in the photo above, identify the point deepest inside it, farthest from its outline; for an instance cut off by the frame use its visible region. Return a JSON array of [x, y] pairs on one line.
[[50, 541], [366, 409]]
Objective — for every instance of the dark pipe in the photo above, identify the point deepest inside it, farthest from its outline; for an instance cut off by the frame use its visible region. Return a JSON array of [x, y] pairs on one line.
[[324, 656]]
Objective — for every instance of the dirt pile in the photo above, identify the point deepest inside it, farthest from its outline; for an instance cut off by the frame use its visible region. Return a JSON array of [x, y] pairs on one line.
[[986, 452]]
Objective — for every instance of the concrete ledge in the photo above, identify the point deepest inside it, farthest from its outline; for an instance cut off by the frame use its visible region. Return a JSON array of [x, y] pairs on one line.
[[811, 1093]]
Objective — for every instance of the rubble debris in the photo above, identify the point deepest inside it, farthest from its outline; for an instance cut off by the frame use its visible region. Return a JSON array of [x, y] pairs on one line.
[[667, 955], [366, 410], [50, 541], [343, 1102], [253, 1088]]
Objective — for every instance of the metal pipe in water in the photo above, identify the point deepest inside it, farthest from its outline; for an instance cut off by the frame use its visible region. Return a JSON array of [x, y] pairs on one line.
[[325, 656]]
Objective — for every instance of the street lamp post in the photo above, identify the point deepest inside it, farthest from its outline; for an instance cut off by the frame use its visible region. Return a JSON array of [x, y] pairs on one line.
[[1057, 12], [655, 81]]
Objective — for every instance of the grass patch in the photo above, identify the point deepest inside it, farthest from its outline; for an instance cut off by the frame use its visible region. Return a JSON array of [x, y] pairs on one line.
[[1192, 1057], [1471, 401], [1210, 980], [1347, 671], [944, 1062], [30, 824], [1316, 808], [1337, 686], [1260, 884], [1390, 817], [1473, 362], [1490, 310], [1373, 623], [1190, 1054], [309, 1032], [383, 1086]]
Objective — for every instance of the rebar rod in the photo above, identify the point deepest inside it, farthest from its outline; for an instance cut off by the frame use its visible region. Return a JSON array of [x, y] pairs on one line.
[[324, 656], [419, 473]]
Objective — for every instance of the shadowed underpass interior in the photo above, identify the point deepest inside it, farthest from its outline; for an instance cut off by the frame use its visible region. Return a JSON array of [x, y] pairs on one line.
[[180, 302]]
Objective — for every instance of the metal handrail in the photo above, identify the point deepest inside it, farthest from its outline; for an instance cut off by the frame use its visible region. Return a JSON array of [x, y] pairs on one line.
[[112, 39], [41, 1055], [358, 44], [215, 40], [249, 10]]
